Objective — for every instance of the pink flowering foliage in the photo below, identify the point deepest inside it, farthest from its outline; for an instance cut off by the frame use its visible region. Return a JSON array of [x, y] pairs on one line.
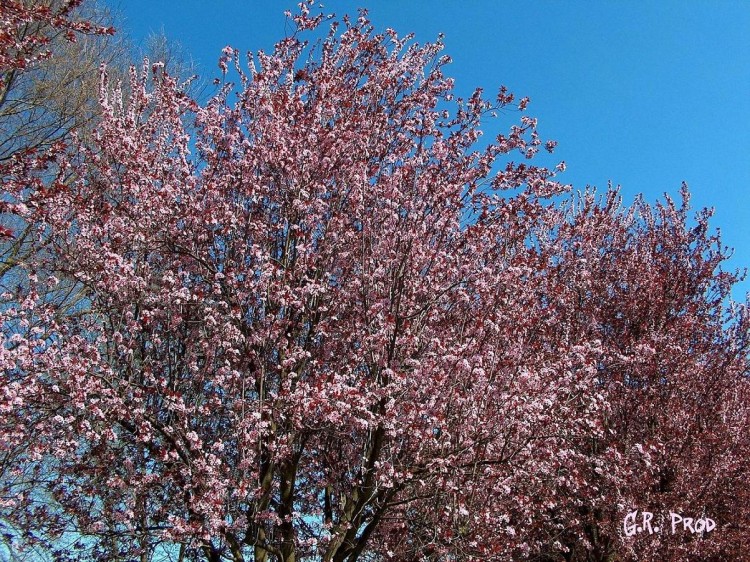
[[33, 352], [25, 31], [322, 322]]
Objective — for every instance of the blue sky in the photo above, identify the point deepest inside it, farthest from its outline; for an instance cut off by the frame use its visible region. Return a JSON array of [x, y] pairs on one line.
[[643, 94]]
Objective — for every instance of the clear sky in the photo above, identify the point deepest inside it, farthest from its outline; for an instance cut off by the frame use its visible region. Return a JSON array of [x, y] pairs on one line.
[[643, 94]]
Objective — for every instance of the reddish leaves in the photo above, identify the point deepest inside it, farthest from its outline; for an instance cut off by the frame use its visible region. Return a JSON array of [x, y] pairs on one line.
[[319, 323]]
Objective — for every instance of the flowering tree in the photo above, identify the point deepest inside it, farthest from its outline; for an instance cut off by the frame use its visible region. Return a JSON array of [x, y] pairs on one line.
[[319, 324], [33, 119], [672, 368]]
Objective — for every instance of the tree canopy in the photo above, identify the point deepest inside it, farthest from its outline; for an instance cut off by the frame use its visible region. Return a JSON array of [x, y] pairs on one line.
[[320, 320]]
